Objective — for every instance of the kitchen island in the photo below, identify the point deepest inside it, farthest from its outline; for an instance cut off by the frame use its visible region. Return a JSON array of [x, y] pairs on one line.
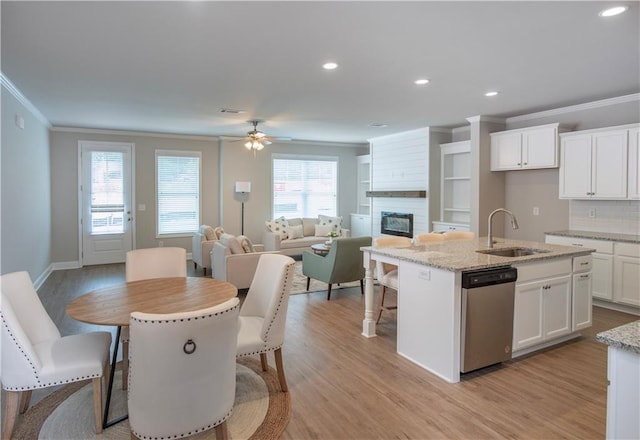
[[552, 301], [623, 372]]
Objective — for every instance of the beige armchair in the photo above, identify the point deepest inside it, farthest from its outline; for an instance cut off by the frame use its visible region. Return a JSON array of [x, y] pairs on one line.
[[236, 268], [202, 244]]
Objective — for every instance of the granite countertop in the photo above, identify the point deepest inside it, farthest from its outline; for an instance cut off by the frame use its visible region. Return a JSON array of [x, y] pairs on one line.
[[626, 337], [628, 238], [459, 255]]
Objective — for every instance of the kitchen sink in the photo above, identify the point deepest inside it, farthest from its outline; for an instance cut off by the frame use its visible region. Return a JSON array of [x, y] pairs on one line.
[[513, 252]]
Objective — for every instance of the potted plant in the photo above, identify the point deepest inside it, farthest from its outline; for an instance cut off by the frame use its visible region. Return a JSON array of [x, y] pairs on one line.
[[332, 235]]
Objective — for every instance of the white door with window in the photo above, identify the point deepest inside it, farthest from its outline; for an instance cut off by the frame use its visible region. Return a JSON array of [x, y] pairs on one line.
[[106, 215]]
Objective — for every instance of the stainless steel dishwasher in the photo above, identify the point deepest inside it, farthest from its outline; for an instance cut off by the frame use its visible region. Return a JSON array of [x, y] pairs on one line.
[[486, 331]]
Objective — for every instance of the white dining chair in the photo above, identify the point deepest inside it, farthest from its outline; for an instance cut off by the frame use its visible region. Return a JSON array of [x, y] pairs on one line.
[[386, 273], [144, 264], [35, 355], [183, 371], [264, 312], [459, 235], [428, 237]]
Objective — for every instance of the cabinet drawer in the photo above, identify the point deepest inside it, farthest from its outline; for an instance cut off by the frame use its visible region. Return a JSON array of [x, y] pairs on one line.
[[628, 249], [547, 269], [601, 246], [582, 264]]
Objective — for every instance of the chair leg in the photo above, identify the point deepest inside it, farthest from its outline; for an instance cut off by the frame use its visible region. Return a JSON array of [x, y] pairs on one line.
[[195, 266], [204, 270], [329, 292], [362, 287], [125, 365], [280, 369], [24, 401], [222, 433], [263, 361], [97, 403], [308, 282], [10, 413], [381, 308]]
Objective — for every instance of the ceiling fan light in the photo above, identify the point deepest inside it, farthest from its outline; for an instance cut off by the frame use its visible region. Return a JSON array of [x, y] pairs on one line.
[[248, 145], [258, 146]]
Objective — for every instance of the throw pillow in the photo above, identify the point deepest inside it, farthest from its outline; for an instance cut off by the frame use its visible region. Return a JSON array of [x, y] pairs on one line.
[[334, 222], [218, 231], [323, 230], [246, 244], [232, 243], [296, 232], [309, 226], [279, 226], [209, 233]]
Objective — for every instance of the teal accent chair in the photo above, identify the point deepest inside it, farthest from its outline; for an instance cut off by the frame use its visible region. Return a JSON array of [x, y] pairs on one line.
[[342, 264]]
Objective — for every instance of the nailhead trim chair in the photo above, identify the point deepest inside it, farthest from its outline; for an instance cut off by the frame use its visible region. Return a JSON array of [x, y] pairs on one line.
[[429, 237], [183, 372], [387, 274], [34, 355], [144, 264], [264, 312], [459, 235]]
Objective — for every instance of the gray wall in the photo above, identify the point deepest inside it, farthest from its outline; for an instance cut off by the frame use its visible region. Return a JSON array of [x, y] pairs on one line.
[[222, 161], [26, 203]]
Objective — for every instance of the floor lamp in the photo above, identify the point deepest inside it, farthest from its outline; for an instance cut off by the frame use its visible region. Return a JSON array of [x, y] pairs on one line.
[[242, 195]]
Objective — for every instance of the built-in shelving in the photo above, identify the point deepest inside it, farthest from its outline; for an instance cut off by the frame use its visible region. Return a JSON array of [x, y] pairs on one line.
[[455, 202]]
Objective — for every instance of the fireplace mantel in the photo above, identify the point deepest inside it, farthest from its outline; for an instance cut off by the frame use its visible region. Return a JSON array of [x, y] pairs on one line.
[[406, 194]]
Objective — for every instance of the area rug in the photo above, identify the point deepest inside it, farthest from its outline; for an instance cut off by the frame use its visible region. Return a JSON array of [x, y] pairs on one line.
[[300, 283], [261, 410]]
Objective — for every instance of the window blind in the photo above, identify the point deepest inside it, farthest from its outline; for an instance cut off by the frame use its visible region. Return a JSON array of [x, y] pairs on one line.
[[304, 187], [178, 192]]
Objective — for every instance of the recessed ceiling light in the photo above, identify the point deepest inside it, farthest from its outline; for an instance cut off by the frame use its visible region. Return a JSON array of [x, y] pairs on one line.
[[330, 65], [421, 82], [494, 93], [378, 125], [610, 12]]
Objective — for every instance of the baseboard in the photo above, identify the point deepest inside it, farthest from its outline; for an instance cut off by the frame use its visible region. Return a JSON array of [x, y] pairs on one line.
[[617, 307]]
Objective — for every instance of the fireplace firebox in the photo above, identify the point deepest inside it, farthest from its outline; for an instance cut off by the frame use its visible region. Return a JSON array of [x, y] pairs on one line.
[[396, 223]]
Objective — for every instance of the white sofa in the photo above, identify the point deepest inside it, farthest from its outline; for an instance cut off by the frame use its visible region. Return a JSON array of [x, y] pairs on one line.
[[274, 242], [238, 269]]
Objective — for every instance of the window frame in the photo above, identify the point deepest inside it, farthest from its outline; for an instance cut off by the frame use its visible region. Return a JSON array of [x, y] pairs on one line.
[[306, 157], [177, 153]]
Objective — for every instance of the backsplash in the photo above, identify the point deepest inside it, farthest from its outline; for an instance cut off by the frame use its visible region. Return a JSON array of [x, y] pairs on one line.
[[613, 216]]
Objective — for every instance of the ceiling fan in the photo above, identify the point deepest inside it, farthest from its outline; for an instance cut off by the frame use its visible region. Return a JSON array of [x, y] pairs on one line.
[[256, 139]]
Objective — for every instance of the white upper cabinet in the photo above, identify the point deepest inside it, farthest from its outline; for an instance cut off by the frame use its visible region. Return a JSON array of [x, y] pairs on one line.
[[525, 148], [593, 164], [634, 164]]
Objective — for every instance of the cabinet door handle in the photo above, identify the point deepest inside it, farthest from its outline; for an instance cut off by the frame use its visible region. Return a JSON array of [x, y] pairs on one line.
[[584, 264], [519, 164], [584, 276], [526, 163]]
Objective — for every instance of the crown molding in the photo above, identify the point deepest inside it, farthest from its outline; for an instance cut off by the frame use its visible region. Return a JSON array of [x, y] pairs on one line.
[[575, 108], [133, 133], [484, 118], [16, 93]]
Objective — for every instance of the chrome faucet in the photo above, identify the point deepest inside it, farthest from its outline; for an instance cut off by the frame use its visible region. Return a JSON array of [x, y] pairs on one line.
[[514, 224]]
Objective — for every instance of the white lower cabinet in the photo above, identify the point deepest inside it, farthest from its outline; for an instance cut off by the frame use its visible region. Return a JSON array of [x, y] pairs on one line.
[[623, 405], [543, 305], [544, 311], [582, 303], [616, 268], [626, 270]]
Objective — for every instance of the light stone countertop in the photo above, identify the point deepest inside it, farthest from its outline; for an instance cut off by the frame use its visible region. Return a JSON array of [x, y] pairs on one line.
[[607, 236], [460, 255], [626, 337]]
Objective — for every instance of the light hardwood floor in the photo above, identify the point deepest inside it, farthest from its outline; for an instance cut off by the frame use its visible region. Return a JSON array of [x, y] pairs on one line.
[[344, 386]]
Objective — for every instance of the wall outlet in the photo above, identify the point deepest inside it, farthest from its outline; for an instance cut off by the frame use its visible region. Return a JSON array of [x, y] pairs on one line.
[[536, 210], [592, 213], [161, 244]]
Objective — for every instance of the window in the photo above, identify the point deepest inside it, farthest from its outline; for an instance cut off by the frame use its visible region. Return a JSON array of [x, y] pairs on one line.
[[107, 192], [178, 192], [304, 186]]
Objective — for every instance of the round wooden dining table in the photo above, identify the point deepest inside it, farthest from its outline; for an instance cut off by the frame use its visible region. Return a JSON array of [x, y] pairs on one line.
[[113, 306]]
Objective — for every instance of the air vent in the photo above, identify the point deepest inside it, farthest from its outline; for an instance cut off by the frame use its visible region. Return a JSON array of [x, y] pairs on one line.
[[232, 111]]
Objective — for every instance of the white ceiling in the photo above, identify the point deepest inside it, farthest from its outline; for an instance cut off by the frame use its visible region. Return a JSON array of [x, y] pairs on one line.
[[171, 66]]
